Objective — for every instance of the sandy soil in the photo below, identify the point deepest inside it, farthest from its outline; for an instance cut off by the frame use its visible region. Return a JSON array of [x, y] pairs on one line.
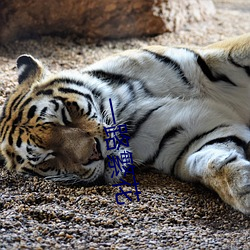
[[37, 214]]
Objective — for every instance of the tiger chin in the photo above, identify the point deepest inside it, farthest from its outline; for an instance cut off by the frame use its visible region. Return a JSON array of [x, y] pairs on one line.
[[186, 109]]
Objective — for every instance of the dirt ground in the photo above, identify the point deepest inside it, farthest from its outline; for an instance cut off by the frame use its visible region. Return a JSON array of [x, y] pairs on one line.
[[38, 214]]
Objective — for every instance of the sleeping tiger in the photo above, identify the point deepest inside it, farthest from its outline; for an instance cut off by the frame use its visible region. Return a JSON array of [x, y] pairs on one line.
[[186, 109]]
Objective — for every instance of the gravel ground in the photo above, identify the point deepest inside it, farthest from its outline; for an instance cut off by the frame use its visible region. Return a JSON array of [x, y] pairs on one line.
[[37, 214]]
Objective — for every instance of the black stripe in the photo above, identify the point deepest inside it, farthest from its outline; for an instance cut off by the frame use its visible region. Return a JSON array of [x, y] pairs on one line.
[[70, 91], [3, 135], [19, 142], [10, 139], [102, 106], [94, 116], [109, 77], [3, 127], [26, 103], [232, 160], [11, 132], [64, 117], [56, 105], [131, 99], [209, 74], [213, 77], [118, 79], [166, 137], [232, 138], [13, 128], [19, 118], [21, 131], [123, 108], [73, 91], [35, 158], [42, 114], [10, 109], [132, 91], [17, 101], [19, 159], [45, 92], [16, 121], [192, 141], [96, 93], [3, 124], [89, 109], [29, 149], [173, 64], [43, 111], [108, 119], [30, 172], [60, 98], [31, 112], [205, 69], [67, 81], [231, 60], [140, 122], [146, 90]]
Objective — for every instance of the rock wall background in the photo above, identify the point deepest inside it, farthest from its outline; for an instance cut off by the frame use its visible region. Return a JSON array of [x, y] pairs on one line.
[[98, 19]]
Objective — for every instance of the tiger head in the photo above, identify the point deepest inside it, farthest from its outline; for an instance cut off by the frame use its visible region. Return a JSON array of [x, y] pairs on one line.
[[51, 126]]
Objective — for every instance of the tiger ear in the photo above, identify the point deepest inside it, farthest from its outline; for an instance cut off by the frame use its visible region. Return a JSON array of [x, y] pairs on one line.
[[29, 69]]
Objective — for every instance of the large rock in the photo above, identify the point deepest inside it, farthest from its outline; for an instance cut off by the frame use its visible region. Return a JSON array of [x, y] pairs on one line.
[[97, 18]]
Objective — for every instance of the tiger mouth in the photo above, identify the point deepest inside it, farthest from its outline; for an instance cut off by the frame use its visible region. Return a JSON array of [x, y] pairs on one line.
[[76, 181], [96, 154]]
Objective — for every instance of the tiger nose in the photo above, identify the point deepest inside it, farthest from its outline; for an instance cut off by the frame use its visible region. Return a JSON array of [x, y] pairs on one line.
[[96, 153]]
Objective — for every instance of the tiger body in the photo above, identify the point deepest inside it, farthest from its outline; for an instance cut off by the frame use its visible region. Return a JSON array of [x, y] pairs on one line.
[[186, 110]]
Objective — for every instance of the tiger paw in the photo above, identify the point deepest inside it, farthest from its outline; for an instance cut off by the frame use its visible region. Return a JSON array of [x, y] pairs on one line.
[[223, 159], [232, 182]]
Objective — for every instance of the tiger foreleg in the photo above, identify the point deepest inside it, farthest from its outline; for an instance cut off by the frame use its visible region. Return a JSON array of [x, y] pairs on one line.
[[226, 171]]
